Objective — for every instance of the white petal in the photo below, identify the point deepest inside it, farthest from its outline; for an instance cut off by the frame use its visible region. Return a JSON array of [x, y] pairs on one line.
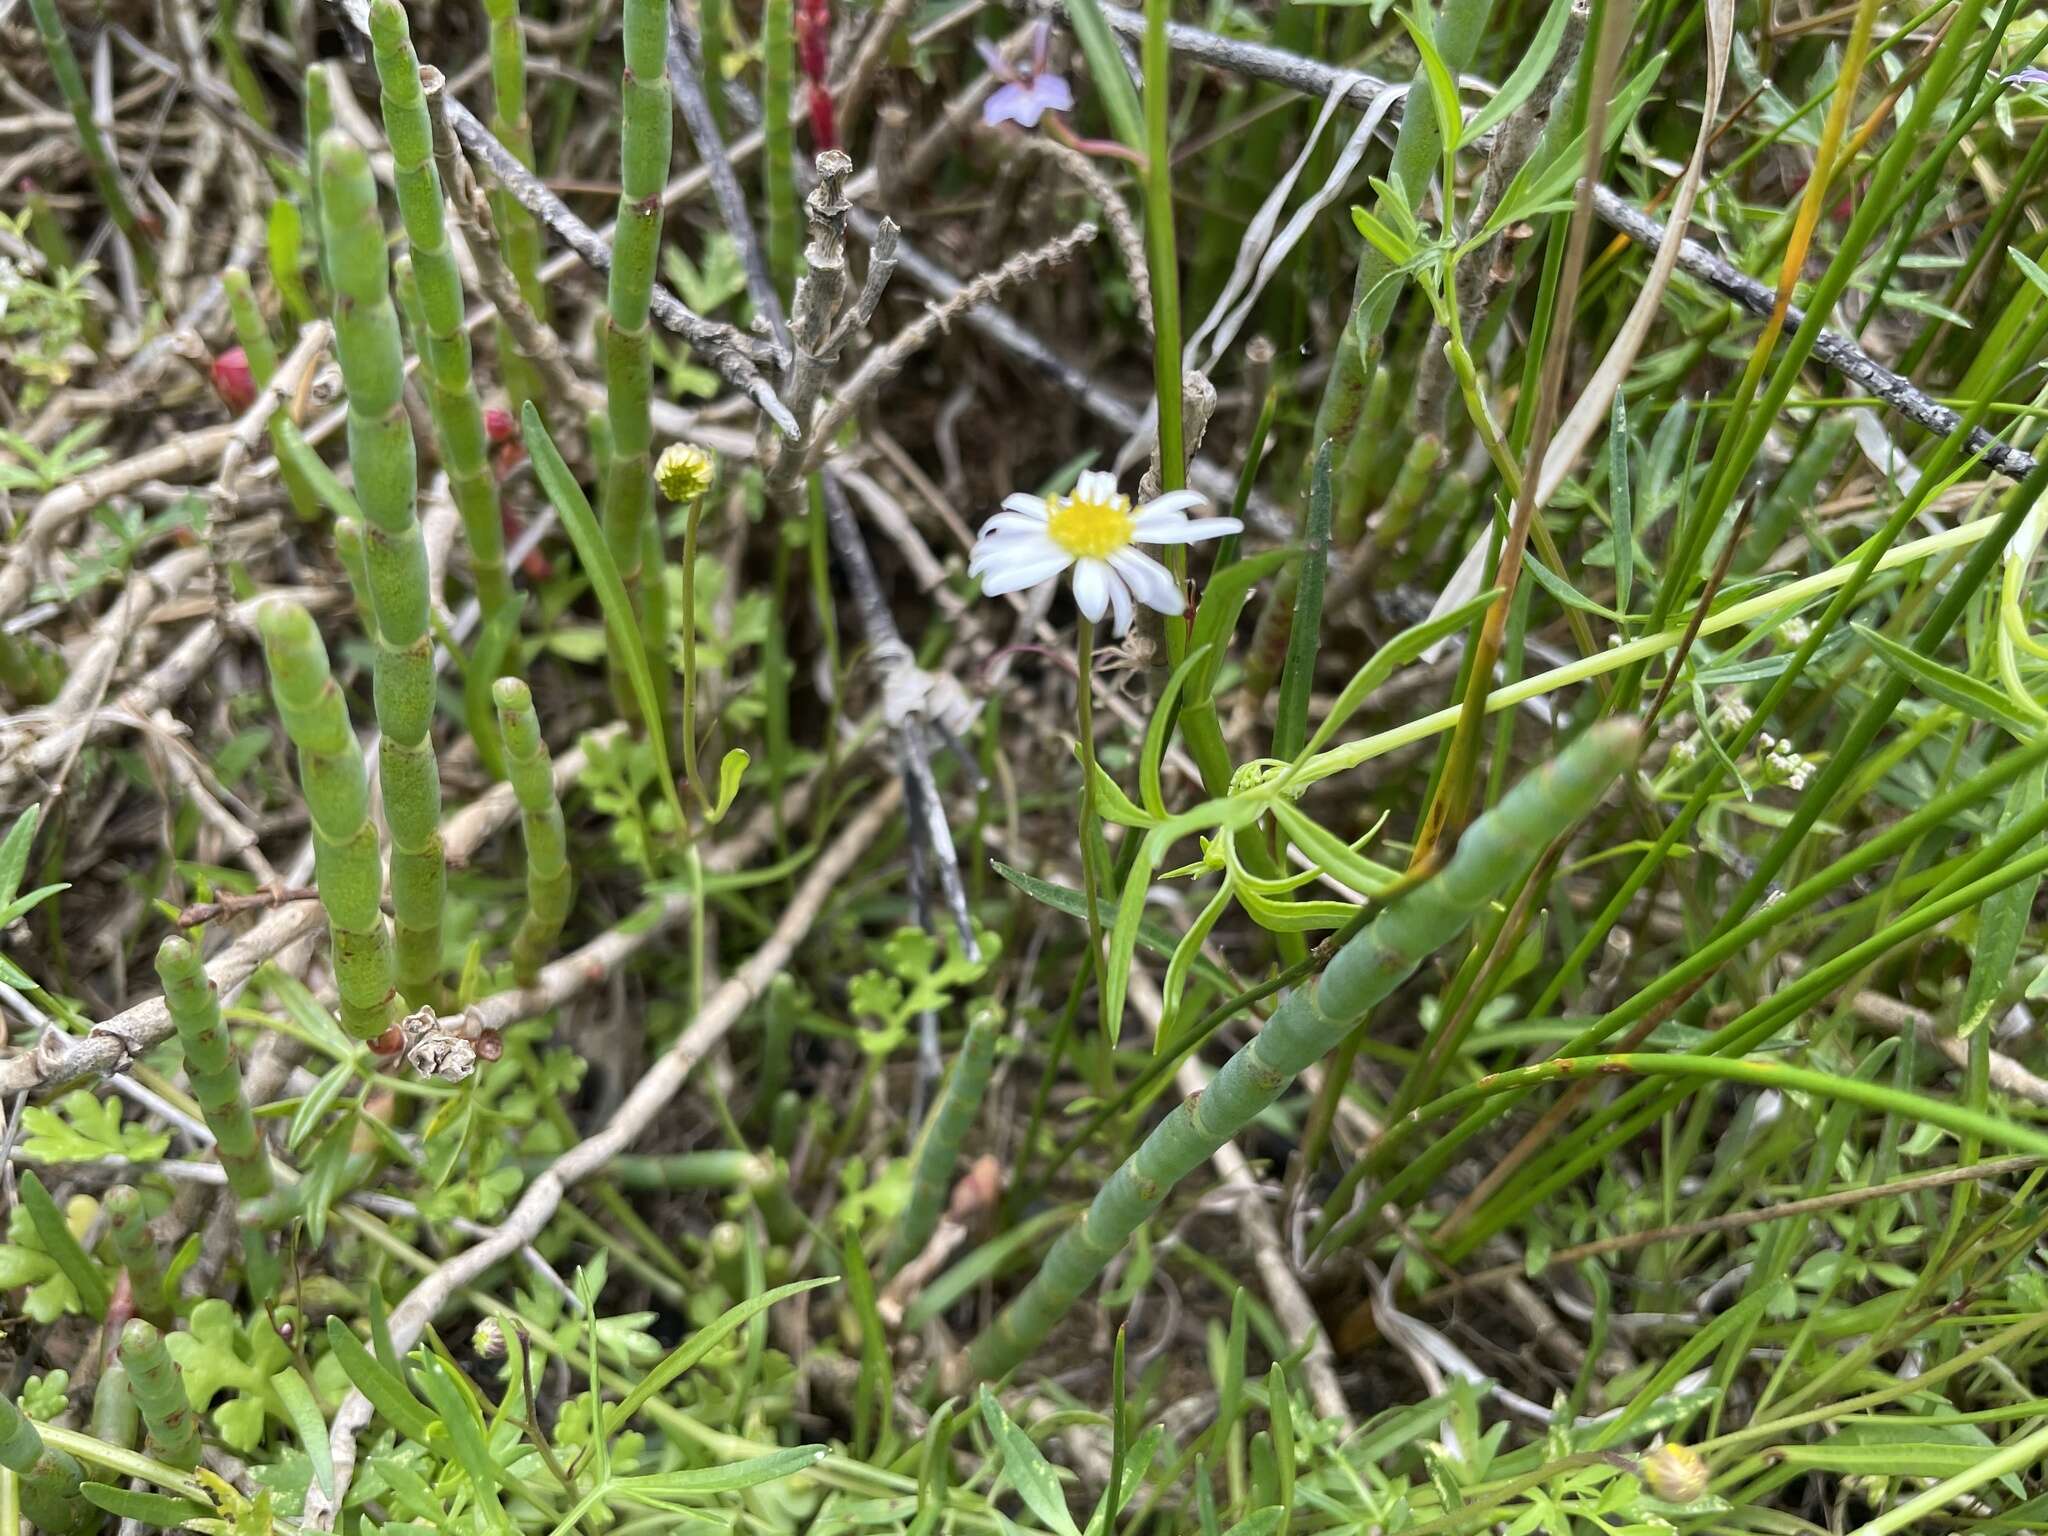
[[1151, 583], [1095, 485], [1017, 522], [1192, 531], [1029, 506], [1091, 588], [1120, 604], [1015, 576], [1174, 501], [1008, 548]]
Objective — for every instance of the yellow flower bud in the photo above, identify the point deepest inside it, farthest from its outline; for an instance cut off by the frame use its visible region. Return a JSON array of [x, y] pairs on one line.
[[684, 471], [1675, 1473]]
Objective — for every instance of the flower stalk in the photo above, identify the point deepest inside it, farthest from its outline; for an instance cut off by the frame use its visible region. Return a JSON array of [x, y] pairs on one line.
[[380, 448], [1313, 1020]]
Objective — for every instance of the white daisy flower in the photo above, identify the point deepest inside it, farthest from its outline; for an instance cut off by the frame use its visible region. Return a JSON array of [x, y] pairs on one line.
[[1095, 530]]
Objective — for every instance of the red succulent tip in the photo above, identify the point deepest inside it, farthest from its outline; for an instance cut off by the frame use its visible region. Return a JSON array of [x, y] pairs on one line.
[[232, 380], [499, 425]]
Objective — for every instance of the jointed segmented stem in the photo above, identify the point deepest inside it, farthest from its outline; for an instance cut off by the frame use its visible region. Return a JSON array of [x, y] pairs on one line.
[[335, 778], [444, 342], [646, 133], [1311, 1023], [531, 771], [380, 450]]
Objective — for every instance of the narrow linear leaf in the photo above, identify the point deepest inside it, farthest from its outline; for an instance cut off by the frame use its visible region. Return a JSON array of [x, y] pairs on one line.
[[573, 508], [1973, 696], [387, 1394], [1037, 1484], [64, 1250], [299, 1407]]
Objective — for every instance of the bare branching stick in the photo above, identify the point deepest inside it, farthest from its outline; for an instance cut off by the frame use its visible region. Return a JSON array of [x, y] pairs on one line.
[[885, 360], [909, 695], [685, 61], [650, 1096], [1312, 77], [191, 454], [994, 325], [535, 339]]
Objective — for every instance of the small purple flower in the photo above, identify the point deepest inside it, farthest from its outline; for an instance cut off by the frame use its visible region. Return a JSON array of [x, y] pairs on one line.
[[2032, 75], [1029, 93]]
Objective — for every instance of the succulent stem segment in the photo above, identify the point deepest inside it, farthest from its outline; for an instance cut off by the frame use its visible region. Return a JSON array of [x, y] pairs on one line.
[[380, 450], [645, 136], [336, 782], [135, 1250], [540, 818], [938, 1149], [518, 234], [444, 344], [253, 332], [194, 1002], [1314, 1019], [49, 1478], [159, 1388], [105, 174]]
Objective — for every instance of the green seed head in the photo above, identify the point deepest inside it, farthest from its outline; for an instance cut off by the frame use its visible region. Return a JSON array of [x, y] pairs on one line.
[[684, 471]]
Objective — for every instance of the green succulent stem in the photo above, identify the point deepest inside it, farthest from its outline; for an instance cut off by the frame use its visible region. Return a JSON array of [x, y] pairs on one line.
[[1313, 1021], [106, 176], [115, 1417], [444, 340], [194, 1003], [49, 1477], [387, 483], [159, 1387], [532, 773], [319, 112], [646, 132], [945, 1129], [253, 332], [134, 1249], [518, 234], [335, 778]]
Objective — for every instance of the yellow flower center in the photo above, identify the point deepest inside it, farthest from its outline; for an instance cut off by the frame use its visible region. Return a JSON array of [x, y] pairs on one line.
[[1089, 529]]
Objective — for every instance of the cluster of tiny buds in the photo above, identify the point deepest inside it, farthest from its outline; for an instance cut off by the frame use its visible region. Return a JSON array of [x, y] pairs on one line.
[[1796, 631], [1782, 763], [1732, 710]]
